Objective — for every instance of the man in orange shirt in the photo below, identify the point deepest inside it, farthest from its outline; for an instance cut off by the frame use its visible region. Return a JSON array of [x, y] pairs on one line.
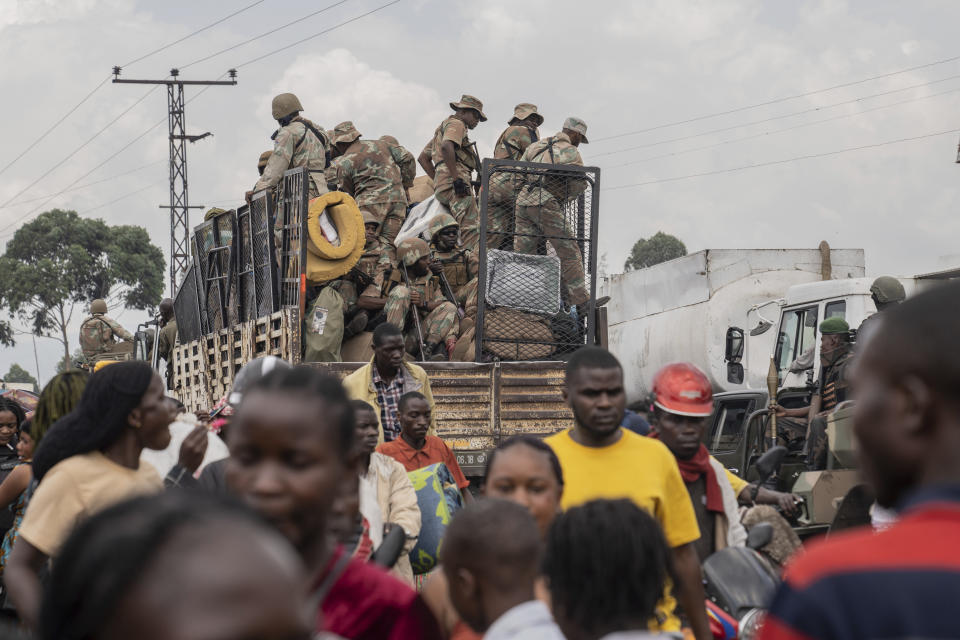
[[414, 449]]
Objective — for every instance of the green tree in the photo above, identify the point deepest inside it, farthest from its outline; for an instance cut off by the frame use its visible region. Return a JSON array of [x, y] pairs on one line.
[[658, 248], [60, 260], [62, 364], [19, 374]]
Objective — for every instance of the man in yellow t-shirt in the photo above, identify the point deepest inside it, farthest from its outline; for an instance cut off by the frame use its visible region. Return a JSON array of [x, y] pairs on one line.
[[601, 460]]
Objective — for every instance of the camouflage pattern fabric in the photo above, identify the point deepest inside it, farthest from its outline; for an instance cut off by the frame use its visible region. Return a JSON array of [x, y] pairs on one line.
[[539, 213], [459, 266], [295, 146], [367, 171], [390, 215], [403, 159], [504, 186], [547, 220], [463, 208], [98, 333], [832, 391], [438, 324], [369, 264]]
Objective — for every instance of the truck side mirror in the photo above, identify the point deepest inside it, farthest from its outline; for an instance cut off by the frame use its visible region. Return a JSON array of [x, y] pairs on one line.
[[734, 349]]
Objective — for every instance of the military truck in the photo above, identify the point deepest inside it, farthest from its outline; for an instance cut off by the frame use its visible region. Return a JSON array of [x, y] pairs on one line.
[[246, 293]]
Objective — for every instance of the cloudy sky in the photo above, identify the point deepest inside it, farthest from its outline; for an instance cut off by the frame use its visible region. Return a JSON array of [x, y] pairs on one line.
[[669, 89]]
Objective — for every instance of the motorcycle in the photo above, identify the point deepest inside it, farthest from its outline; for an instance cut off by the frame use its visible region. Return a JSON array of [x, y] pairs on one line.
[[740, 581]]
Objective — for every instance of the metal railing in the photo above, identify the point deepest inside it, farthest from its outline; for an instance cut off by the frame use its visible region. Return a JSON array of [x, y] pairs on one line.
[[537, 254]]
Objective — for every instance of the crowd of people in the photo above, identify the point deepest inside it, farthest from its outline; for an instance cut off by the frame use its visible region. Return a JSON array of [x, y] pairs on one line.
[[335, 511]]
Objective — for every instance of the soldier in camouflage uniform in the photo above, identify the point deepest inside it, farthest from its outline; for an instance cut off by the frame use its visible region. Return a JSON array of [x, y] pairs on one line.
[[366, 170], [98, 333], [362, 301], [540, 205], [438, 316], [450, 160], [297, 143], [835, 356], [263, 160], [458, 265], [504, 186], [404, 161]]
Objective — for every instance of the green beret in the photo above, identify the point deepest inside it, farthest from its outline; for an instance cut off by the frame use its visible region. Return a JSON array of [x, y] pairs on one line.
[[833, 326]]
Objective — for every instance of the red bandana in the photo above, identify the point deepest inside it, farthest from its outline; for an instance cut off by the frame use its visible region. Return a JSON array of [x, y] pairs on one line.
[[698, 465]]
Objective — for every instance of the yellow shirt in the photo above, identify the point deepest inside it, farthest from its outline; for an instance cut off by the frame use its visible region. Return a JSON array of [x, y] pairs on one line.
[[77, 488], [738, 483], [635, 467]]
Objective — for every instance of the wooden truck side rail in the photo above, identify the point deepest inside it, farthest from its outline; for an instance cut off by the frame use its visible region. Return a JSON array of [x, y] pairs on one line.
[[477, 405]]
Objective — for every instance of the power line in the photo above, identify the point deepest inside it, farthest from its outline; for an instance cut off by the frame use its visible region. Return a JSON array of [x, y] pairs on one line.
[[318, 34], [198, 31], [779, 100], [77, 150], [264, 34], [774, 118], [802, 125], [87, 184], [55, 125], [775, 162], [123, 197]]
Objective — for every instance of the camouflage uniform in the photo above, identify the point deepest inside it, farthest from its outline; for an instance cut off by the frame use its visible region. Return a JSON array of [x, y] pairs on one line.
[[832, 389], [438, 325], [463, 208], [367, 171], [165, 344], [375, 256], [404, 161], [504, 186], [539, 212], [97, 335], [460, 266], [297, 145]]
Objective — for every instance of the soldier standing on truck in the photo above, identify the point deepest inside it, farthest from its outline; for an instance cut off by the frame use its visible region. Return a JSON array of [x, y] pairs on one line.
[[835, 356], [297, 143], [404, 161], [411, 286], [886, 292], [450, 160], [98, 334], [539, 213], [504, 186], [366, 170]]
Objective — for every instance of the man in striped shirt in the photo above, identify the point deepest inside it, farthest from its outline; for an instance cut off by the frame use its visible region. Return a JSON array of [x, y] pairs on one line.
[[904, 581]]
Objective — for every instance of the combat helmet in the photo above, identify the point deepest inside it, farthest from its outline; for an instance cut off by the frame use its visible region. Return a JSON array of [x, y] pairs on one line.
[[285, 104], [411, 250], [98, 306], [887, 290], [369, 218], [440, 222]]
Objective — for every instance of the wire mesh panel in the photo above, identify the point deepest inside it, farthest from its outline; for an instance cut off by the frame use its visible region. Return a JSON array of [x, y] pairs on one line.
[[224, 259], [199, 269], [186, 308], [537, 291], [213, 242], [264, 255], [246, 288], [293, 221]]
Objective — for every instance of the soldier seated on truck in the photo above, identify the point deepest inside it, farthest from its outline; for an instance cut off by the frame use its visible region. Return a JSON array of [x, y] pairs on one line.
[[362, 302], [410, 286], [453, 263], [684, 401], [835, 356], [98, 334]]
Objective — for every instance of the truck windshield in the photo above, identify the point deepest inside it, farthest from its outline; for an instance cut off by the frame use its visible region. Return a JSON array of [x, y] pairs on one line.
[[798, 333]]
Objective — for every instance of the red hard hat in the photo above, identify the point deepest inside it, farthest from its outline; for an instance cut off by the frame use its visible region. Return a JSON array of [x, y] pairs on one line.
[[683, 389]]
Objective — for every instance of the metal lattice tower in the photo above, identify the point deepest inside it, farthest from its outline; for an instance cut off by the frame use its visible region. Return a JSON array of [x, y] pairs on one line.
[[179, 194]]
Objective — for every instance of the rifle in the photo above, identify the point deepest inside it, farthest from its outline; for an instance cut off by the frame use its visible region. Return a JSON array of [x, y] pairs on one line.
[[448, 293], [361, 278], [416, 313]]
